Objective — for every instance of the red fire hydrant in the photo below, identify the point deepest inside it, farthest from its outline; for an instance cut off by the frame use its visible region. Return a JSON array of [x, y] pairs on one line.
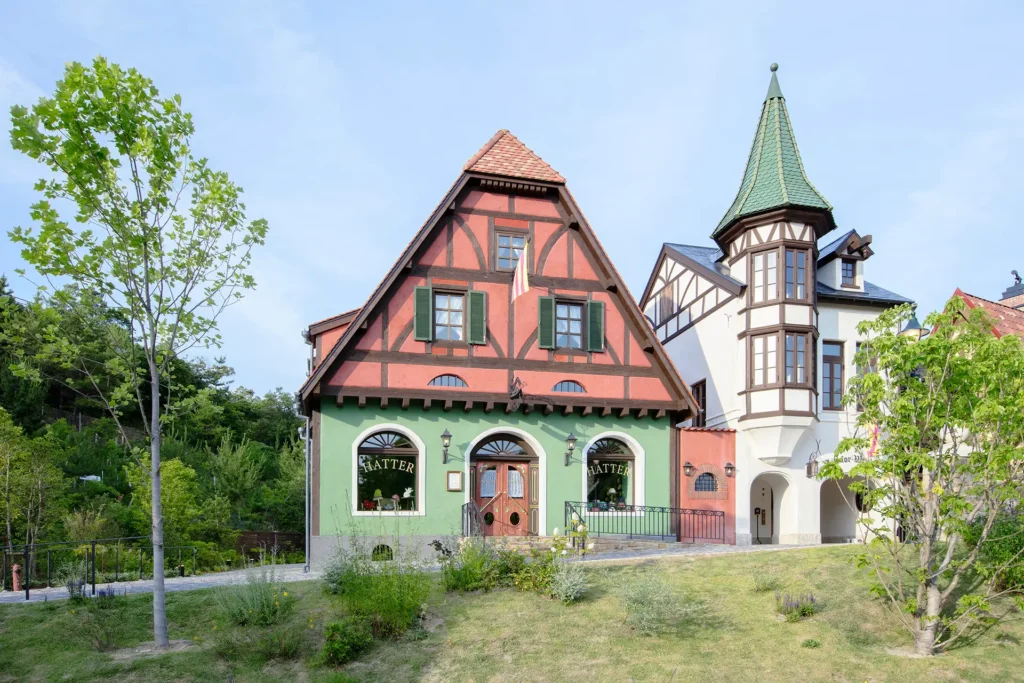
[[16, 577]]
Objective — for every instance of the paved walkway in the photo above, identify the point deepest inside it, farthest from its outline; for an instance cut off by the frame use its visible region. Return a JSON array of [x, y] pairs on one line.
[[294, 572]]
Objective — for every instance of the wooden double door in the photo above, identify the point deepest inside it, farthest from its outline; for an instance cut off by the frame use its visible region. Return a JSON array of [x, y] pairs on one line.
[[502, 490]]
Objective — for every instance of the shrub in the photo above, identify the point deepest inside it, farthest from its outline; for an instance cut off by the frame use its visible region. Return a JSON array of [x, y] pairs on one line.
[[259, 601], [810, 643], [101, 626], [345, 640], [389, 595], [652, 607], [536, 575], [470, 566], [72, 574], [569, 582], [796, 608], [766, 579], [106, 598], [508, 563]]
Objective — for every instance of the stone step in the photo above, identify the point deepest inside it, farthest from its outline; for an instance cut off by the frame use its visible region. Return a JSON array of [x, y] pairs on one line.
[[527, 543]]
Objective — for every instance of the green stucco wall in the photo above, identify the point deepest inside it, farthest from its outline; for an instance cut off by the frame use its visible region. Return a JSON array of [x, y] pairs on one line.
[[341, 426]]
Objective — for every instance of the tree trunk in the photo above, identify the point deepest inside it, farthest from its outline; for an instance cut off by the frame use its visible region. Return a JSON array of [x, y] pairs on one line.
[[159, 610], [927, 625]]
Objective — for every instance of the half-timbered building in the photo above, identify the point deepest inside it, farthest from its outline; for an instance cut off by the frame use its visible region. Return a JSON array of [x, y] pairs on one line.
[[763, 327], [443, 397]]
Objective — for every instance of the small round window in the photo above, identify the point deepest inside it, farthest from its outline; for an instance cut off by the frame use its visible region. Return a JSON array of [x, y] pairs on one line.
[[513, 519], [488, 518]]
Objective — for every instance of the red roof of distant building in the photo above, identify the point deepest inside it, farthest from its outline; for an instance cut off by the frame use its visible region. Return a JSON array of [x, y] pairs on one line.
[[505, 155], [1008, 320]]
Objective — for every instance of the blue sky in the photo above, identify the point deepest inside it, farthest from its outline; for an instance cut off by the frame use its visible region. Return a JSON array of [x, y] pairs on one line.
[[346, 122]]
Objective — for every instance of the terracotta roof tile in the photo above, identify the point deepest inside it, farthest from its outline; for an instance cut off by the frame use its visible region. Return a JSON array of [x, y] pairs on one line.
[[1008, 320], [505, 155]]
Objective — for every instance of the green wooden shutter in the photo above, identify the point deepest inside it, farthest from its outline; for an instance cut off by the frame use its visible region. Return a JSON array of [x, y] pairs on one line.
[[476, 323], [546, 324], [423, 314], [595, 326]]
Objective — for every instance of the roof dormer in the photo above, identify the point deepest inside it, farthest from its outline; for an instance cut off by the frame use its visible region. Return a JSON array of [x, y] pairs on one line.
[[841, 262]]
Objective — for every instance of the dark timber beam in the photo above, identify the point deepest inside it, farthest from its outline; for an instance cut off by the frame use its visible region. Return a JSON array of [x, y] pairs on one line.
[[340, 400], [624, 412], [509, 408], [660, 414], [568, 410], [606, 412], [426, 404], [587, 410], [447, 405], [527, 409], [405, 404], [548, 408], [642, 413], [383, 402], [362, 401], [489, 406], [469, 406]]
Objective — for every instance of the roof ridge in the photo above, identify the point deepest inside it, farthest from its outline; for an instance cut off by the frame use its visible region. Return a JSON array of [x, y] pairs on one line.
[[839, 239], [1016, 311]]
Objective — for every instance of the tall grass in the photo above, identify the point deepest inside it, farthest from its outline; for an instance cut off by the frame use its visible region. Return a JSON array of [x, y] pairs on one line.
[[259, 601]]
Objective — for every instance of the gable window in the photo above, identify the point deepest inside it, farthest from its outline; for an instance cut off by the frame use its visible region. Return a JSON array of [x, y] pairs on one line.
[[510, 248], [386, 472], [610, 475], [700, 395], [796, 358], [447, 381], [796, 274], [448, 323], [705, 482], [765, 354], [849, 273], [832, 375], [765, 276], [568, 325], [570, 387]]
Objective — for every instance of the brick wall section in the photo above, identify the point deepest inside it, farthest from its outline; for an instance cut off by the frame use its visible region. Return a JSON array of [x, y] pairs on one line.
[[709, 450]]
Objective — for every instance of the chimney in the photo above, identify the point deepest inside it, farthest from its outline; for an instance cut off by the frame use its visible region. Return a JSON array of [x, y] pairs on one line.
[[1014, 295]]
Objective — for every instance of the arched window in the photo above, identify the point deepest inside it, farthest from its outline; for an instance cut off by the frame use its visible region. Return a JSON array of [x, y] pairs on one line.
[[610, 475], [705, 482], [502, 446], [569, 386], [447, 381], [386, 473]]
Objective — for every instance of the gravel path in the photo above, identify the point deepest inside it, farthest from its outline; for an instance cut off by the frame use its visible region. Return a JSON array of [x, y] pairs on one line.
[[294, 572]]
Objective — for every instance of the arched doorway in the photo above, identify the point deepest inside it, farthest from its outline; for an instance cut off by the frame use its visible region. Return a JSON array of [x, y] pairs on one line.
[[839, 511], [768, 507], [504, 482]]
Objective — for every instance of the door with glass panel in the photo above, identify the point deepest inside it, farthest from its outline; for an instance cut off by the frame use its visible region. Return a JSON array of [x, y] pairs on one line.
[[502, 493]]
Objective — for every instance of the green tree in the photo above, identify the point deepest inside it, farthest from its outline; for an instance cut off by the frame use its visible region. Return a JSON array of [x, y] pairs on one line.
[[179, 503], [948, 415], [157, 236]]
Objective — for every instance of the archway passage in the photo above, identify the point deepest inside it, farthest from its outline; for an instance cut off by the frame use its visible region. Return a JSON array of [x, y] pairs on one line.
[[768, 501], [838, 511], [504, 484]]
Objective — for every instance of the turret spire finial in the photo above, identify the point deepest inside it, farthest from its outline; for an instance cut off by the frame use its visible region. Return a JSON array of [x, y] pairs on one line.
[[774, 91]]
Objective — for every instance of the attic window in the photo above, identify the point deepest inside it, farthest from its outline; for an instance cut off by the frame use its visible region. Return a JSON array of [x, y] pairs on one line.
[[849, 273], [569, 387], [447, 381]]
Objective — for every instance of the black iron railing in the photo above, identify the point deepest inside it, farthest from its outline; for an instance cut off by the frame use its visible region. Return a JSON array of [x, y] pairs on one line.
[[472, 520], [647, 521], [40, 563]]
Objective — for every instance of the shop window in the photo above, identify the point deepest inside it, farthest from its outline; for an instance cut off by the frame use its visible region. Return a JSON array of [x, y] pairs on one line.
[[610, 475], [386, 473]]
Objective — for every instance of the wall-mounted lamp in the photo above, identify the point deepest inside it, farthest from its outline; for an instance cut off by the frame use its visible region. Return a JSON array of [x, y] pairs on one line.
[[688, 468], [446, 441], [812, 468], [730, 469], [570, 445]]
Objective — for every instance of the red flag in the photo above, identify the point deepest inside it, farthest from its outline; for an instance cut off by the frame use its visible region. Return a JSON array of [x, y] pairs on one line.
[[521, 279]]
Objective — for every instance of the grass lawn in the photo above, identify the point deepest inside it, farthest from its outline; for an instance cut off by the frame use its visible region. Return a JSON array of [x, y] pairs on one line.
[[507, 635]]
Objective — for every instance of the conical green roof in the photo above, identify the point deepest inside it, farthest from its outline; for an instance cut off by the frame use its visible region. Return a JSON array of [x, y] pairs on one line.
[[775, 175]]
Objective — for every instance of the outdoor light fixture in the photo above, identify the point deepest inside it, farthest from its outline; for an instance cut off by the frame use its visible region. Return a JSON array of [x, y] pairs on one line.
[[446, 441], [570, 445], [688, 468], [730, 469], [812, 468], [913, 329]]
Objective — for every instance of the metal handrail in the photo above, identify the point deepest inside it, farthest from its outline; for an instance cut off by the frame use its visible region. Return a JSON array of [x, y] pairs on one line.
[[648, 521], [472, 521]]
